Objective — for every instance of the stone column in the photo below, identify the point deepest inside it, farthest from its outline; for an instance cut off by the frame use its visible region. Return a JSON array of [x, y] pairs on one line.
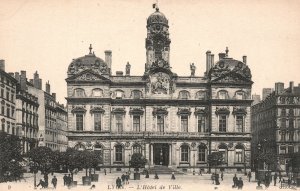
[[170, 155], [151, 154]]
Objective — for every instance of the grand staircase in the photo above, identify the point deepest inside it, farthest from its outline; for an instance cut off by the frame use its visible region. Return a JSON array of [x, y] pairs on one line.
[[159, 169]]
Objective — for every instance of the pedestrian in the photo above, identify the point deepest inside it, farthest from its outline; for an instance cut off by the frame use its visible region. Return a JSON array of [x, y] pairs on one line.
[[105, 171], [126, 178], [147, 174], [46, 180], [280, 176], [222, 175], [118, 183], [289, 182], [173, 176], [240, 183], [65, 179], [41, 183], [213, 178], [54, 182], [156, 176], [123, 179], [267, 181], [249, 176], [200, 172], [217, 179], [234, 179], [69, 180], [275, 178]]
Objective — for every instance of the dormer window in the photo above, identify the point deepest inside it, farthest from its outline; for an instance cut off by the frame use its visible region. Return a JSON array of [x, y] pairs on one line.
[[184, 94], [136, 94], [79, 92], [240, 95], [119, 94], [97, 92], [222, 94]]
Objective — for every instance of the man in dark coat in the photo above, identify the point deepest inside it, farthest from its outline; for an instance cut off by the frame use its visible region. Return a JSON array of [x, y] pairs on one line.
[[249, 176], [275, 178], [65, 179], [54, 182], [240, 183], [42, 183], [234, 179]]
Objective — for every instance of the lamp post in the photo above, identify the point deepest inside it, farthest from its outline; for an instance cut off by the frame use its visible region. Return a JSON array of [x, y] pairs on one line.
[[129, 161], [258, 160], [194, 164]]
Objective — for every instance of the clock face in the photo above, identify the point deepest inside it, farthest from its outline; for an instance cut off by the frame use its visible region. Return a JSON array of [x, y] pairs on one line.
[[156, 28]]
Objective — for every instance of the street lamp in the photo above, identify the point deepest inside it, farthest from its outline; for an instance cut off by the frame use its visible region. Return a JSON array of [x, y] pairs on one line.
[[258, 160], [194, 164], [129, 161]]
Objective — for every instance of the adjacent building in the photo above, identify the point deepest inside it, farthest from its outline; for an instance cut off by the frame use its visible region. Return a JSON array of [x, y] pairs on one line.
[[8, 101], [174, 121], [276, 123]]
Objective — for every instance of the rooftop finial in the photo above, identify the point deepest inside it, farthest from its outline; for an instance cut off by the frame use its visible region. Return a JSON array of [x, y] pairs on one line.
[[155, 6], [226, 51], [90, 48]]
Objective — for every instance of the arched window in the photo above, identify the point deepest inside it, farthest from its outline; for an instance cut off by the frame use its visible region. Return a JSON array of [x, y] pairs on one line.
[[79, 147], [202, 150], [184, 94], [136, 148], [119, 94], [239, 154], [118, 153], [223, 149], [184, 153], [222, 94], [97, 92], [79, 92]]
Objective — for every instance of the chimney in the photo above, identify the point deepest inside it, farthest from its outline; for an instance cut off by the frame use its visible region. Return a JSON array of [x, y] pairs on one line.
[[279, 87], [266, 92], [11, 74], [292, 87], [17, 76], [2, 65], [221, 56], [212, 59], [245, 59], [128, 66], [108, 60], [54, 96], [208, 61], [119, 73], [48, 87], [23, 80], [39, 84]]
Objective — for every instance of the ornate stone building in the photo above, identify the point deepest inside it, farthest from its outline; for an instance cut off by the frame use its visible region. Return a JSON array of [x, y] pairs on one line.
[[276, 124], [174, 121]]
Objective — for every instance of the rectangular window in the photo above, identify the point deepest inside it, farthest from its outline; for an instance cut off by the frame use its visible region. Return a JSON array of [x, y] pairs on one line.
[[239, 123], [79, 122], [238, 155], [291, 136], [136, 123], [201, 123], [118, 153], [184, 123], [2, 109], [298, 122], [97, 121], [290, 149], [291, 123], [160, 123], [7, 95], [222, 123], [2, 93], [119, 122], [201, 155], [282, 136], [282, 150], [8, 112], [184, 154], [283, 122]]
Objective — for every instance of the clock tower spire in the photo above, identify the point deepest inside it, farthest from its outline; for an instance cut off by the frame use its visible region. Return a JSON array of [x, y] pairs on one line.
[[157, 41]]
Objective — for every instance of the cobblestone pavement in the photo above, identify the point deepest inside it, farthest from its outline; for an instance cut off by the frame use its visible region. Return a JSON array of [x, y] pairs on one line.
[[107, 182]]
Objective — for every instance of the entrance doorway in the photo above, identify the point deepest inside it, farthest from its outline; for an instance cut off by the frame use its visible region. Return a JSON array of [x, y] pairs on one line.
[[161, 154]]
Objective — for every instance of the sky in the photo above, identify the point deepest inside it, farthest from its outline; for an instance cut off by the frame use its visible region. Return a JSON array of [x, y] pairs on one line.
[[44, 36]]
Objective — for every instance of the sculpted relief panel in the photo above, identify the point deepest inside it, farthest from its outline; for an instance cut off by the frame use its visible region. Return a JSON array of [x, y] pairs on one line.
[[160, 83]]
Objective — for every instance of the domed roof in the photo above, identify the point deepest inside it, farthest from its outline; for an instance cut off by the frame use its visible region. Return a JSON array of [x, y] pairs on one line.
[[229, 65], [87, 62], [157, 18]]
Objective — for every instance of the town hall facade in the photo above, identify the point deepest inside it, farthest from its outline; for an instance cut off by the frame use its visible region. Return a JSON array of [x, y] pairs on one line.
[[174, 121]]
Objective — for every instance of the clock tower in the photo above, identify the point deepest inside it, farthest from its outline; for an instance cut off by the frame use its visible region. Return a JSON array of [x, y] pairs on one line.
[[157, 41]]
